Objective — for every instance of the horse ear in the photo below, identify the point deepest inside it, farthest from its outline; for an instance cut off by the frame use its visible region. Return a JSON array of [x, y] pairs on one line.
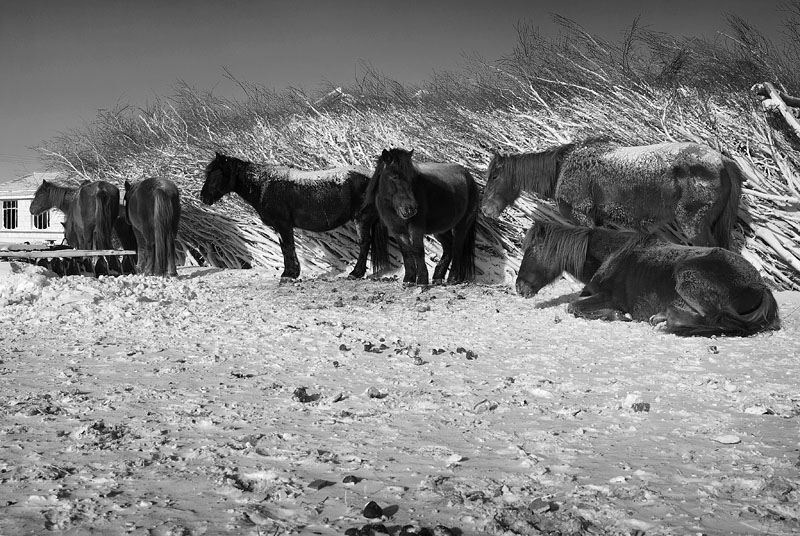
[[127, 184], [218, 155], [411, 152]]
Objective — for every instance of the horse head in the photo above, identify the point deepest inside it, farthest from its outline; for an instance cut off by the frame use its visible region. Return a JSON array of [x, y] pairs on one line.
[[219, 179], [38, 205], [535, 272], [551, 249], [397, 174], [501, 190]]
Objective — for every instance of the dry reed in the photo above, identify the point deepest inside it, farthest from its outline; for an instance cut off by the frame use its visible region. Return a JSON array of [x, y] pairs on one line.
[[649, 89]]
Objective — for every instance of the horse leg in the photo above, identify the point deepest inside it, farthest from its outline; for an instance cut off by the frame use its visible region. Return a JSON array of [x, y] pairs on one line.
[[85, 237], [418, 251], [141, 251], [446, 240], [291, 266], [364, 240], [596, 307], [150, 247], [170, 249], [409, 261], [566, 211]]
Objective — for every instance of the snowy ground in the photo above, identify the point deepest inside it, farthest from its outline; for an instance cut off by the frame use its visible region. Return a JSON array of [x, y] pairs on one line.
[[170, 407]]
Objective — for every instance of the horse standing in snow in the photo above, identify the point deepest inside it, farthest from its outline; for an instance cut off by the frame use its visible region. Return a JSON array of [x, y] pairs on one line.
[[286, 198], [596, 182], [415, 199], [153, 210], [90, 210]]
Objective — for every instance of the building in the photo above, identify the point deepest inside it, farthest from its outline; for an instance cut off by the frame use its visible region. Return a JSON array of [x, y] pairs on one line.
[[17, 224]]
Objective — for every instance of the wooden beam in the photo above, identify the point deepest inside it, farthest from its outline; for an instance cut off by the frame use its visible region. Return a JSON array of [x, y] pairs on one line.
[[64, 253]]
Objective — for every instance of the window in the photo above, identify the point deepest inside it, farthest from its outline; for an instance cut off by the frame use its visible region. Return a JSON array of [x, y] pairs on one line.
[[9, 214], [42, 221]]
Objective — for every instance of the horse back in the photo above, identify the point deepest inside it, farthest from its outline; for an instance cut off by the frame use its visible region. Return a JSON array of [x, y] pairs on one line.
[[313, 200], [731, 274], [447, 192], [639, 278], [640, 184]]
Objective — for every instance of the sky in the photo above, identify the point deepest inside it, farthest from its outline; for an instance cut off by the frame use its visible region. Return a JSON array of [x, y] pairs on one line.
[[61, 62]]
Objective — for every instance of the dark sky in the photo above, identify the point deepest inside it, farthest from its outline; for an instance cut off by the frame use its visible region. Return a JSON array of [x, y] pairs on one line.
[[61, 61]]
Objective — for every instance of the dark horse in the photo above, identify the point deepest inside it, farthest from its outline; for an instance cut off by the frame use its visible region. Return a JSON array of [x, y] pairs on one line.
[[153, 210], [286, 198], [90, 210], [415, 199], [640, 187], [694, 290]]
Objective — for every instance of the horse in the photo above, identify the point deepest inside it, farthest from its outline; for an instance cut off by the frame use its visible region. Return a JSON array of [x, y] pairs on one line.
[[153, 210], [90, 210], [286, 197], [646, 187], [415, 199], [692, 290]]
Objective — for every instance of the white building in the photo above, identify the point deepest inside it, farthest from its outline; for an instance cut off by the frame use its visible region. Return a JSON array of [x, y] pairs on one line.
[[17, 224]]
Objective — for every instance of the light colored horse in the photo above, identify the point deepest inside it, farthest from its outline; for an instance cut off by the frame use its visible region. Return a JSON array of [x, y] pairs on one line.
[[646, 187]]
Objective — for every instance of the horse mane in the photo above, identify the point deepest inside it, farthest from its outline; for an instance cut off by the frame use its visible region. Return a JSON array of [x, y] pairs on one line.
[[398, 157], [372, 185], [562, 246], [59, 196], [535, 172], [402, 159]]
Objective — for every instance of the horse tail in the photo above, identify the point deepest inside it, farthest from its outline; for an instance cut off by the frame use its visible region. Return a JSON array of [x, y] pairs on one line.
[[379, 246], [730, 322], [105, 216], [722, 227], [163, 218], [466, 265], [468, 254]]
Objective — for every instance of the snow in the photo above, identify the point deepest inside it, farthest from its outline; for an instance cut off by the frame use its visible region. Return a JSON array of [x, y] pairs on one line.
[[172, 406]]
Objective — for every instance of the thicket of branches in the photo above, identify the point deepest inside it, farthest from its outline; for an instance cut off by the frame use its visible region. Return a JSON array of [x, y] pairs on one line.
[[648, 87]]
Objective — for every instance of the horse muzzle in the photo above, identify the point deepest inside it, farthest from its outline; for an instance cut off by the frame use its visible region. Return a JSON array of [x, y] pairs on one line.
[[491, 210], [407, 212], [525, 289], [207, 198]]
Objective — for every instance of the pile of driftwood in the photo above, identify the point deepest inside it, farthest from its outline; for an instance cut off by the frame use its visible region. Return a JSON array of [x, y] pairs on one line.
[[779, 103]]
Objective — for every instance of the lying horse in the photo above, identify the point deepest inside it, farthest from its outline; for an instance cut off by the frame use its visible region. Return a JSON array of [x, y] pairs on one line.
[[153, 210], [694, 290], [415, 199], [286, 198], [89, 209], [640, 187]]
